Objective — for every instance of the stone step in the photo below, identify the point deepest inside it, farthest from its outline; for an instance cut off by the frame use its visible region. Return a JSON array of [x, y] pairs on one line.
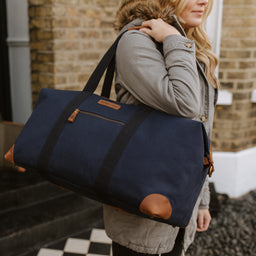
[[11, 179], [27, 228], [33, 194], [18, 190]]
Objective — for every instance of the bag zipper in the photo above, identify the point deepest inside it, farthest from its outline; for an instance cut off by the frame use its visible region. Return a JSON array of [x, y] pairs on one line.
[[73, 116]]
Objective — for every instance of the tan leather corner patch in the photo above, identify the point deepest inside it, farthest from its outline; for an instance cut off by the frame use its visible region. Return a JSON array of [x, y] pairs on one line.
[[109, 104], [156, 206], [9, 156]]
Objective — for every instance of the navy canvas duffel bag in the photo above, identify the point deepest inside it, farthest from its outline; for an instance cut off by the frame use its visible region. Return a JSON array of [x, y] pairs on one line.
[[135, 158]]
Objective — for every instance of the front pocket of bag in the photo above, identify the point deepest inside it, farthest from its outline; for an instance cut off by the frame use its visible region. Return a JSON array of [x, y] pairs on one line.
[[82, 146], [77, 111]]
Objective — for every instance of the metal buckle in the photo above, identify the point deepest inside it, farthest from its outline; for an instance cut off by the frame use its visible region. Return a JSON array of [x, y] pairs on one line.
[[211, 170]]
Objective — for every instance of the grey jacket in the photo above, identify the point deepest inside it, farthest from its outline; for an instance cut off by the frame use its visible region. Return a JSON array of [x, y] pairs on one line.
[[171, 80]]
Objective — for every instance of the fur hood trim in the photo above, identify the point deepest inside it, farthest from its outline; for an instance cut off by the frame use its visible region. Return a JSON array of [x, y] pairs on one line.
[[144, 10]]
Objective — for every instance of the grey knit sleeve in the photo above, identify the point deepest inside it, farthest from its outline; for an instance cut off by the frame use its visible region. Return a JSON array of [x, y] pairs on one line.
[[205, 201], [166, 81]]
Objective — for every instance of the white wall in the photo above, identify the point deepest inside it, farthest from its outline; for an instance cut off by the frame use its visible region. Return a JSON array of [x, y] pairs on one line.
[[19, 59], [235, 173]]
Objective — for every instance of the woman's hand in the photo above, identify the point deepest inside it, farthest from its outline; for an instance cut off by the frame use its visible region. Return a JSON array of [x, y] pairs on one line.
[[158, 29], [203, 220]]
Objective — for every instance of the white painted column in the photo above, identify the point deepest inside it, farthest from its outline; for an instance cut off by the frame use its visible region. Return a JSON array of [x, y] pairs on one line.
[[19, 59]]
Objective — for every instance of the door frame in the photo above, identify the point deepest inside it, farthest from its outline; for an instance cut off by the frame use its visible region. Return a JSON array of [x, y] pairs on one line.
[[5, 94]]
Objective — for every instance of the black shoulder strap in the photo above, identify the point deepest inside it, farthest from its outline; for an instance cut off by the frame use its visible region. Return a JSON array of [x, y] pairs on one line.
[[107, 60], [106, 89]]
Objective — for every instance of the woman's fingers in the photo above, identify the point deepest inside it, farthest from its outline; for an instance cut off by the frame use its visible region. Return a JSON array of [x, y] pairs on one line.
[[158, 29], [146, 30], [200, 221], [203, 220]]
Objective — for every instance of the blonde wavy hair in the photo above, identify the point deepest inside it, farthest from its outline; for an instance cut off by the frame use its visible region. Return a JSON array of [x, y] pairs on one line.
[[154, 9]]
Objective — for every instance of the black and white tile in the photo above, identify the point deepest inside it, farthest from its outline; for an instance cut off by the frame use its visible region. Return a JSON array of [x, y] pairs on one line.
[[92, 243]]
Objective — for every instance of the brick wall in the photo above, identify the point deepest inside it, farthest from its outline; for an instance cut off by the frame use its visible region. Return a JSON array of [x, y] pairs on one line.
[[67, 38], [235, 125]]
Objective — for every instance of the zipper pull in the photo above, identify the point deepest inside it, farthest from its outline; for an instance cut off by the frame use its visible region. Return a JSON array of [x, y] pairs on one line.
[[73, 116]]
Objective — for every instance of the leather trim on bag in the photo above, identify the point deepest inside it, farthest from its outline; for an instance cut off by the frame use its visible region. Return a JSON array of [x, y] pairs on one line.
[[109, 104], [9, 156], [156, 206]]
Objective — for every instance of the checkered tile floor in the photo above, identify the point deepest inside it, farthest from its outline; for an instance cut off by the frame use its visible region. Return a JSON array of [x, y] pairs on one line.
[[92, 243]]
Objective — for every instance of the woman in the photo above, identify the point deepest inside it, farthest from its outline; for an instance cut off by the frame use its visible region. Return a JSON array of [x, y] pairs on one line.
[[167, 65]]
